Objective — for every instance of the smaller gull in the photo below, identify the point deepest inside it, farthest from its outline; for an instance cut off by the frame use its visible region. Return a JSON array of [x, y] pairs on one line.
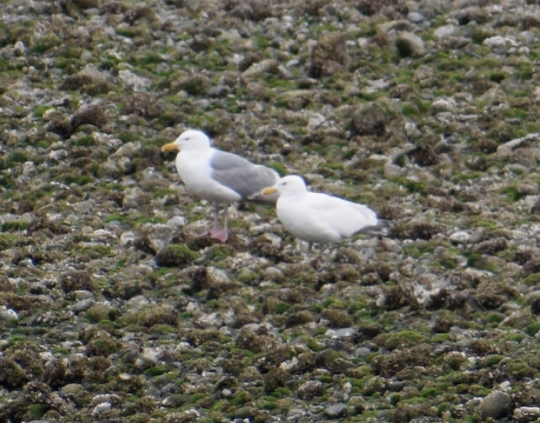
[[316, 217], [218, 176]]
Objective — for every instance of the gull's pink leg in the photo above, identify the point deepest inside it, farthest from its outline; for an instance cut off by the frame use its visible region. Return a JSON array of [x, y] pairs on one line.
[[217, 233]]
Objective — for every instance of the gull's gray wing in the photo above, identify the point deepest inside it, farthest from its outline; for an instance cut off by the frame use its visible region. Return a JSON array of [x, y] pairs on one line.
[[242, 176]]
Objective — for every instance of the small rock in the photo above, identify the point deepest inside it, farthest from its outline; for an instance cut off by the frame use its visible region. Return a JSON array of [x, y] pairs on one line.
[[72, 388], [415, 17], [526, 414], [393, 171], [19, 48], [477, 236], [7, 313], [357, 403], [159, 235], [362, 352], [460, 237], [444, 31], [127, 238], [295, 414], [335, 411], [340, 333], [148, 358], [82, 294], [218, 275], [310, 389], [134, 81], [496, 405], [109, 169], [374, 385], [315, 120], [442, 105], [272, 272], [415, 44], [58, 155], [135, 198], [266, 66], [498, 42], [176, 222], [102, 235], [507, 148], [82, 305], [212, 320]]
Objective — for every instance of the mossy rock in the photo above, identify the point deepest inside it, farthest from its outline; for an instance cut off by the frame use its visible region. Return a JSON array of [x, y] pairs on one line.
[[327, 357], [374, 385], [76, 280], [102, 344], [337, 318], [176, 255], [158, 316], [8, 241], [299, 318], [402, 339], [250, 341], [532, 280], [402, 362], [274, 379], [91, 115], [98, 312], [12, 374]]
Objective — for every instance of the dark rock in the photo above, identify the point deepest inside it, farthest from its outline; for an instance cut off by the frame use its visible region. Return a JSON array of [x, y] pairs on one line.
[[76, 280], [90, 115], [274, 379]]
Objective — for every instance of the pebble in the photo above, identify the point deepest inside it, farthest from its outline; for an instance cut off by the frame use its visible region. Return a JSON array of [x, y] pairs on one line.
[[444, 31], [460, 237], [7, 313], [340, 333], [415, 17], [336, 411], [82, 305], [272, 271]]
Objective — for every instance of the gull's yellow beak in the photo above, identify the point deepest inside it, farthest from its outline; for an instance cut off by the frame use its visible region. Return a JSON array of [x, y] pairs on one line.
[[268, 191], [169, 147]]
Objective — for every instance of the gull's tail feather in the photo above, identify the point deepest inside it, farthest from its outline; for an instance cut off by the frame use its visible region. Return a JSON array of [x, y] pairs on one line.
[[382, 227]]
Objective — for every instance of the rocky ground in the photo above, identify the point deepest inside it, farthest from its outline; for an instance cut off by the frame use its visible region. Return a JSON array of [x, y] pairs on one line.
[[112, 309]]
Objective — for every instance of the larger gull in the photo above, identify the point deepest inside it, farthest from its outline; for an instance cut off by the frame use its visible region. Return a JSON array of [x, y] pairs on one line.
[[316, 217], [218, 176]]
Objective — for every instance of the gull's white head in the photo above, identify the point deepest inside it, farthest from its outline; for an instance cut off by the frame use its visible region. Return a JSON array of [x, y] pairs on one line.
[[189, 140], [288, 185]]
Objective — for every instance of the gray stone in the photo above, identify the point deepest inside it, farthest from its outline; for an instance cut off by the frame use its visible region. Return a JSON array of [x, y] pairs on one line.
[[495, 405], [444, 31], [335, 411], [415, 17]]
